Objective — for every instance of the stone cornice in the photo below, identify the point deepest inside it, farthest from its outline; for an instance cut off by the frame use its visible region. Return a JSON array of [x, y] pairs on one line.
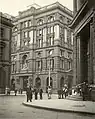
[[79, 14]]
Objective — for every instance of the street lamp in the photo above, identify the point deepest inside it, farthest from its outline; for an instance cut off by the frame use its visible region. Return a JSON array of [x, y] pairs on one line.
[[15, 69], [50, 53]]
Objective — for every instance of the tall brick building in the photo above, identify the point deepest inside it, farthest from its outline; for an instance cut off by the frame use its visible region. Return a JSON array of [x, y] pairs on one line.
[[5, 51], [42, 47], [83, 25]]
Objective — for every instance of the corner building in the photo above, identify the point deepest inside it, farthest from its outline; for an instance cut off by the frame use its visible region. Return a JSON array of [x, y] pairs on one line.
[[83, 25], [42, 47], [5, 51]]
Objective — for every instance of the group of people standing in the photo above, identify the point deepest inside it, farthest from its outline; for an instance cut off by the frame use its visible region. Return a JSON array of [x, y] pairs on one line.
[[62, 92], [30, 91]]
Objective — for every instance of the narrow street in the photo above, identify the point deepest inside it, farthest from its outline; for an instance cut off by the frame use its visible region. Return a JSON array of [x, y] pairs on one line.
[[11, 108]]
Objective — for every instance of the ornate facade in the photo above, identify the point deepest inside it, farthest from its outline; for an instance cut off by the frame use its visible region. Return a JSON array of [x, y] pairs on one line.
[[42, 45], [83, 25], [5, 51]]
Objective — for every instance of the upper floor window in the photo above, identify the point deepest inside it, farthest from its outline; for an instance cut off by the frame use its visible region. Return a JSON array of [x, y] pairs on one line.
[[25, 34], [25, 24], [1, 32], [40, 22], [65, 35], [71, 38], [24, 62], [29, 23], [51, 18]]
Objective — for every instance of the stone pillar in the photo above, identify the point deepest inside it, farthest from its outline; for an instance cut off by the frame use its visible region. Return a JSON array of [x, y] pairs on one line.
[[90, 53], [78, 59], [94, 48], [75, 61]]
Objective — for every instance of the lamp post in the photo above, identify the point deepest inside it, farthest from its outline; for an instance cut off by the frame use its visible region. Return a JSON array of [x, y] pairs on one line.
[[15, 70], [50, 53]]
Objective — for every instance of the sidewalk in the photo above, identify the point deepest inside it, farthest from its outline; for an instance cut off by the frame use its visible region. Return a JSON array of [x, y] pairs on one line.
[[13, 94], [65, 105]]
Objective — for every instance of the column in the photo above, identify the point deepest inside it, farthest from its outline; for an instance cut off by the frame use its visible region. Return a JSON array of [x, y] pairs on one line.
[[75, 61]]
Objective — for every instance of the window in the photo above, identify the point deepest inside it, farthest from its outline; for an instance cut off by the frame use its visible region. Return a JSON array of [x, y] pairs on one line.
[[71, 38], [30, 23], [24, 62], [39, 43], [1, 53], [65, 30], [25, 34], [69, 65], [51, 29], [51, 41], [50, 52], [40, 32], [40, 22], [52, 64], [62, 64], [1, 32], [39, 65], [51, 19], [25, 24]]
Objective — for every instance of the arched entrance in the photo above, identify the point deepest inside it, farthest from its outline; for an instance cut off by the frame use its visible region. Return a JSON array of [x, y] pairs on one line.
[[38, 82], [12, 84], [62, 82], [2, 80]]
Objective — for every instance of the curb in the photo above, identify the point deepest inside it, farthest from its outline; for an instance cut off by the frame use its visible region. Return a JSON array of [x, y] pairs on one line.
[[58, 110], [10, 95]]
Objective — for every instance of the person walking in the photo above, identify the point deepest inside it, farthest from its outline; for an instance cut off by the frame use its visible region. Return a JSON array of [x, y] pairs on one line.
[[36, 93], [28, 93], [40, 93], [15, 91], [63, 92]]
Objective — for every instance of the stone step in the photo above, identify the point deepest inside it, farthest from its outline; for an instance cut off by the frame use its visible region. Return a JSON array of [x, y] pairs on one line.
[[74, 97]]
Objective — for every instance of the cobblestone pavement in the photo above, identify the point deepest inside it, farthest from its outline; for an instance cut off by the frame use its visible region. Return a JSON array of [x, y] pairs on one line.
[[11, 108]]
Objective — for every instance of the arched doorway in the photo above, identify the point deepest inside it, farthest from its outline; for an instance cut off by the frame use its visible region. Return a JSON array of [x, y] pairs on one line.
[[12, 84], [38, 82], [62, 82], [2, 80]]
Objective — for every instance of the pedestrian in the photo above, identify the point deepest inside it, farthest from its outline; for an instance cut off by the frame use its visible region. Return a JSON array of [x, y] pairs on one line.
[[36, 93], [40, 93], [15, 91], [63, 92], [28, 94], [49, 92]]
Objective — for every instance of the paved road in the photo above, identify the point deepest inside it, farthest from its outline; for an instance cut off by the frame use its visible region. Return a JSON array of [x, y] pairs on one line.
[[11, 108]]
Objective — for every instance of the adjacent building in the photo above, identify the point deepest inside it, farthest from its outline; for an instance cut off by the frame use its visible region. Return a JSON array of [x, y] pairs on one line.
[[5, 51], [42, 48], [83, 26]]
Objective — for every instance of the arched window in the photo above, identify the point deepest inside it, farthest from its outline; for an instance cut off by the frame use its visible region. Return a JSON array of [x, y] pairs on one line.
[[24, 62], [51, 19], [40, 22]]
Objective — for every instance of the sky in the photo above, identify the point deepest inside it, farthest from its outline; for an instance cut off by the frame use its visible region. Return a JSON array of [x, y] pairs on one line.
[[12, 7]]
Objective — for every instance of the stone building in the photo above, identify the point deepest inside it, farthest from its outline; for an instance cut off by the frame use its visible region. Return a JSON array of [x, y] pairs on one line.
[[5, 51], [42, 46], [83, 26]]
